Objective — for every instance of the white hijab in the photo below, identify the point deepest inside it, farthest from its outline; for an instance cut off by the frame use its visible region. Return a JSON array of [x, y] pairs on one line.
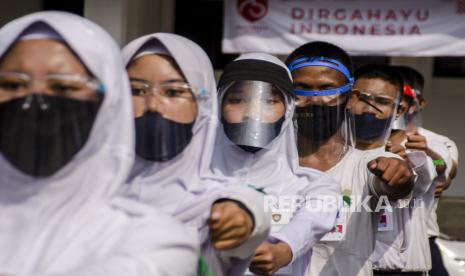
[[181, 185], [188, 167], [274, 169], [108, 154], [65, 223]]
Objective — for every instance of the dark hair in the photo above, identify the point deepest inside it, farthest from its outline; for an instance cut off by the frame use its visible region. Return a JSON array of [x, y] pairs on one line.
[[414, 79], [418, 80], [407, 76], [322, 49], [384, 72], [411, 76]]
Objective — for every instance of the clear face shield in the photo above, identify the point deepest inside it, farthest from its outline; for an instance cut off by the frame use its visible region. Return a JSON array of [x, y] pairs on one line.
[[45, 120], [165, 114], [252, 113], [415, 110], [321, 116], [373, 113]]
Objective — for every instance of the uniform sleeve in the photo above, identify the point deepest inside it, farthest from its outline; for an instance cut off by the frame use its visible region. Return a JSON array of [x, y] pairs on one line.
[[305, 230], [425, 170], [253, 201], [440, 148], [452, 147], [194, 210], [153, 244], [310, 224]]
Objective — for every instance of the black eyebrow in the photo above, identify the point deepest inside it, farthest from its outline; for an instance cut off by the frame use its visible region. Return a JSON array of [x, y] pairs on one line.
[[297, 83], [174, 81], [167, 81], [327, 85], [363, 99], [136, 79]]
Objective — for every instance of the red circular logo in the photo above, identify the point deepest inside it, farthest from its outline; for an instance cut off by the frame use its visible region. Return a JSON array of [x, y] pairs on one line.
[[252, 10]]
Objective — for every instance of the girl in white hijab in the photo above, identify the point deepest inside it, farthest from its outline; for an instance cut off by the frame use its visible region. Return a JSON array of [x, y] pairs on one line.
[[175, 107], [256, 144], [66, 146]]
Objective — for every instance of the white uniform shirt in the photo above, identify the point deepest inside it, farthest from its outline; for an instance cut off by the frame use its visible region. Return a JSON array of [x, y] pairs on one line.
[[275, 169], [447, 149], [401, 241], [119, 238], [351, 256]]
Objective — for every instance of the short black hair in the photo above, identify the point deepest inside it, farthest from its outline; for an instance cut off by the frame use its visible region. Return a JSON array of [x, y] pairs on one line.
[[418, 80], [380, 71], [407, 76], [322, 49]]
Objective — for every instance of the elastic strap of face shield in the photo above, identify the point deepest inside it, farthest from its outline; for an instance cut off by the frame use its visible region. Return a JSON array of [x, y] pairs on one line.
[[326, 62]]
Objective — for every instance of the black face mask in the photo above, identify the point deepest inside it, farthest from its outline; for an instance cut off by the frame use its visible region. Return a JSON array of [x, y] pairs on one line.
[[40, 140], [319, 122], [368, 127], [160, 139], [252, 136]]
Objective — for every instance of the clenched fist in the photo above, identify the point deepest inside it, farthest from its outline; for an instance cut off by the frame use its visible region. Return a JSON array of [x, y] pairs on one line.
[[270, 257], [396, 149], [230, 225], [395, 173], [416, 141]]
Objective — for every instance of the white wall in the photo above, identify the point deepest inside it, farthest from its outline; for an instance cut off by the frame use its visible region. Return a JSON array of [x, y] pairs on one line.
[[129, 19], [123, 19], [445, 113]]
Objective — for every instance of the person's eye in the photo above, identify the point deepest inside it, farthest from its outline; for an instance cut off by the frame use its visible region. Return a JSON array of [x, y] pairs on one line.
[[137, 91], [12, 85], [326, 87], [235, 100], [174, 92], [364, 97], [64, 88], [383, 101], [272, 101]]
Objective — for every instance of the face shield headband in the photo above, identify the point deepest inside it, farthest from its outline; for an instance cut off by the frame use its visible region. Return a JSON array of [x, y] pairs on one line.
[[326, 62]]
